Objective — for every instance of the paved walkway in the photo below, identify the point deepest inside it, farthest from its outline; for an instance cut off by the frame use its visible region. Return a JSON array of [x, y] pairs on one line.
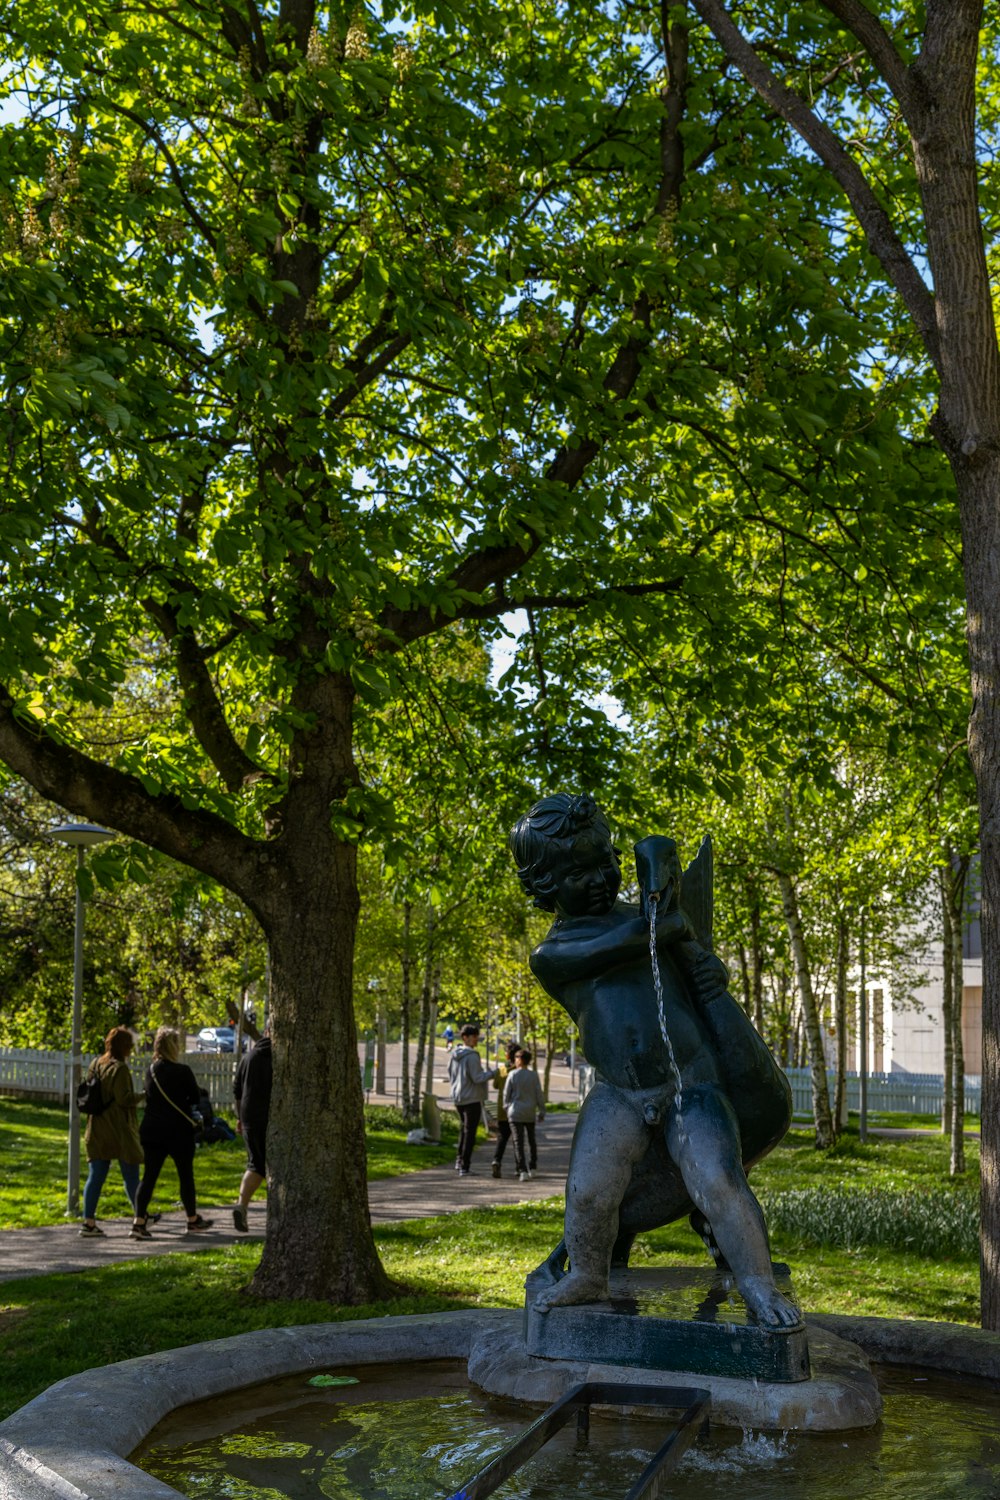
[[416, 1195]]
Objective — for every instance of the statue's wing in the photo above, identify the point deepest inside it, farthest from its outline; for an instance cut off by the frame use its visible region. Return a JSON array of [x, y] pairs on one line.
[[697, 893]]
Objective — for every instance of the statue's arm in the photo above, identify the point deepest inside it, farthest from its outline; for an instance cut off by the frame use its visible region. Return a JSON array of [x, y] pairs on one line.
[[576, 950]]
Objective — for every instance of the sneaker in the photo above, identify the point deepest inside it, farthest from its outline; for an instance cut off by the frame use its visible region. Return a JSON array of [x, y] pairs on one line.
[[198, 1225], [495, 1169], [523, 1176], [464, 1172], [139, 1232], [458, 1166], [153, 1218], [529, 1173], [240, 1219], [91, 1232]]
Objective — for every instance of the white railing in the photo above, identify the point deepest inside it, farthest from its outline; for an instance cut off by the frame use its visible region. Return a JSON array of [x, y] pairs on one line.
[[888, 1093], [46, 1074]]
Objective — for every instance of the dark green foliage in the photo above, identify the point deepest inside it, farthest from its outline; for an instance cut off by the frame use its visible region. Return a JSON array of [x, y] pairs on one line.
[[937, 1222]]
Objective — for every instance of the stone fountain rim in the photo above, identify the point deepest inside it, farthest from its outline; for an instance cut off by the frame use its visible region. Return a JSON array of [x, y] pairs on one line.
[[72, 1440]]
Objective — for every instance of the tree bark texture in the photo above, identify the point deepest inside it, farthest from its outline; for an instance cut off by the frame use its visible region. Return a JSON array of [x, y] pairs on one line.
[[810, 1013], [319, 1242]]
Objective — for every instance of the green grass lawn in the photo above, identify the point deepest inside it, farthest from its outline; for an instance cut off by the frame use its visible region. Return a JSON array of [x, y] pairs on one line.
[[33, 1153], [50, 1327]]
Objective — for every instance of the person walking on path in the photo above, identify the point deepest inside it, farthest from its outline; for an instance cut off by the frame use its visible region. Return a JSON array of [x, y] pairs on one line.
[[113, 1135], [468, 1079], [168, 1129], [252, 1092], [525, 1103], [503, 1124]]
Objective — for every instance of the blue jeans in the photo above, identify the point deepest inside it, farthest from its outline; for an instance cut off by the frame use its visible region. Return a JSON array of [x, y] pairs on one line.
[[95, 1181]]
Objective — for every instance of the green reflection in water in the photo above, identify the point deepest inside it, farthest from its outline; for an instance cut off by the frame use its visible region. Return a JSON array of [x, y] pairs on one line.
[[285, 1441]]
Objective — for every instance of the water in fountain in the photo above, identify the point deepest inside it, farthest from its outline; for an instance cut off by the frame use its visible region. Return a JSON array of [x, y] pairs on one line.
[[654, 959], [938, 1441]]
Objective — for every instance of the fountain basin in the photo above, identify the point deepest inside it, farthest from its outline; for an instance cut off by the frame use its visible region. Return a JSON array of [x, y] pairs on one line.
[[73, 1439]]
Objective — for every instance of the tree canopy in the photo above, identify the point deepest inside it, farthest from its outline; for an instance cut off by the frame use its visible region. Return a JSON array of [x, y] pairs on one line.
[[332, 336]]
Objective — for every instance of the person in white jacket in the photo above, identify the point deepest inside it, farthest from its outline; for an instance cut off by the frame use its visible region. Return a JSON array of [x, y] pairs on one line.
[[468, 1079], [525, 1103]]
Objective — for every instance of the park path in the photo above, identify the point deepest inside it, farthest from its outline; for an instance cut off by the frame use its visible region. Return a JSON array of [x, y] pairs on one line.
[[415, 1195]]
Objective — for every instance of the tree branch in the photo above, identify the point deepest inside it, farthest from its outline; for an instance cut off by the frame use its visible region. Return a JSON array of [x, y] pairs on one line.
[[883, 241], [876, 41], [201, 701], [489, 567], [90, 789]]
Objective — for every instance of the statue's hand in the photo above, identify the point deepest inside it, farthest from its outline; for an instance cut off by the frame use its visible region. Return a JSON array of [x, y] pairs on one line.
[[671, 925], [709, 976]]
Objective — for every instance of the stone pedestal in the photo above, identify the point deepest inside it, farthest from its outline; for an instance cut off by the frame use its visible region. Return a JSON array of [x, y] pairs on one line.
[[840, 1394], [668, 1319]]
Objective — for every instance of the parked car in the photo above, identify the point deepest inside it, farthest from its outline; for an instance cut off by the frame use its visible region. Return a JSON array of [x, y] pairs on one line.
[[216, 1039]]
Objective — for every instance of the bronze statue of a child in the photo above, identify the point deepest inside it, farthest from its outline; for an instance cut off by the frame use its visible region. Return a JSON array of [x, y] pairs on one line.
[[651, 1144]]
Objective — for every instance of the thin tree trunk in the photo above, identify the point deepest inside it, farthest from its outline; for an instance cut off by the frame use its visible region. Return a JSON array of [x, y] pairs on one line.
[[810, 1015], [425, 1011], [840, 1022], [747, 999], [947, 1001], [550, 1047], [959, 875], [756, 969], [404, 1011]]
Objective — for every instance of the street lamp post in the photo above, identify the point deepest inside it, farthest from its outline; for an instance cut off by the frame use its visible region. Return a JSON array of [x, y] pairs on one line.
[[82, 836]]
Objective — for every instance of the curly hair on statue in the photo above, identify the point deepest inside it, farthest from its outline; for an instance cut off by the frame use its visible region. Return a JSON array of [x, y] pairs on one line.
[[559, 819]]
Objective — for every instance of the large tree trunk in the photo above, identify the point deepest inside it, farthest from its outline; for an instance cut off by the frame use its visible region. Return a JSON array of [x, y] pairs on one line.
[[810, 1013], [319, 1243], [937, 99]]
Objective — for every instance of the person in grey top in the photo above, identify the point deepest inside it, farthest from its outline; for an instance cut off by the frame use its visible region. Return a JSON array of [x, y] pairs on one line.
[[468, 1079], [525, 1103]]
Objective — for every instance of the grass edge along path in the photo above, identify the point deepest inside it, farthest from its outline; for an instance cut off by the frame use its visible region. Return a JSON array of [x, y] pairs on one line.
[[33, 1152], [54, 1326]]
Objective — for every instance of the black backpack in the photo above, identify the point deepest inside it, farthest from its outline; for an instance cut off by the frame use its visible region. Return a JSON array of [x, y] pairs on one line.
[[89, 1096]]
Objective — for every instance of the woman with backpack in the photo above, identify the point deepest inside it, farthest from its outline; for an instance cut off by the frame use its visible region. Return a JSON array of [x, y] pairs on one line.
[[169, 1128], [112, 1131]]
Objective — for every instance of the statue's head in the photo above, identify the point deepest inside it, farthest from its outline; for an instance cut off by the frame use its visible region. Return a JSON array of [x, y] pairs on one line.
[[565, 858]]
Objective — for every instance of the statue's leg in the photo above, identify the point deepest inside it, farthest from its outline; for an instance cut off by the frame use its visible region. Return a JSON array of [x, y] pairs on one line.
[[611, 1136], [705, 1142], [655, 1195], [706, 1234]]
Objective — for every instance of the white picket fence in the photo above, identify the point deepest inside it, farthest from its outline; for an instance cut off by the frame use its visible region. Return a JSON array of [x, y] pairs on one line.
[[46, 1075], [888, 1093]]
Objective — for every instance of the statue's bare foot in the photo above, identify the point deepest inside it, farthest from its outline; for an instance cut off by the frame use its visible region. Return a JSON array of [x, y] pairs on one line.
[[768, 1306], [577, 1286]]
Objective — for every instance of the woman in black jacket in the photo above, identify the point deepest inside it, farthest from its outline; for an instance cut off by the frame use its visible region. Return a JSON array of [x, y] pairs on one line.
[[168, 1129]]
